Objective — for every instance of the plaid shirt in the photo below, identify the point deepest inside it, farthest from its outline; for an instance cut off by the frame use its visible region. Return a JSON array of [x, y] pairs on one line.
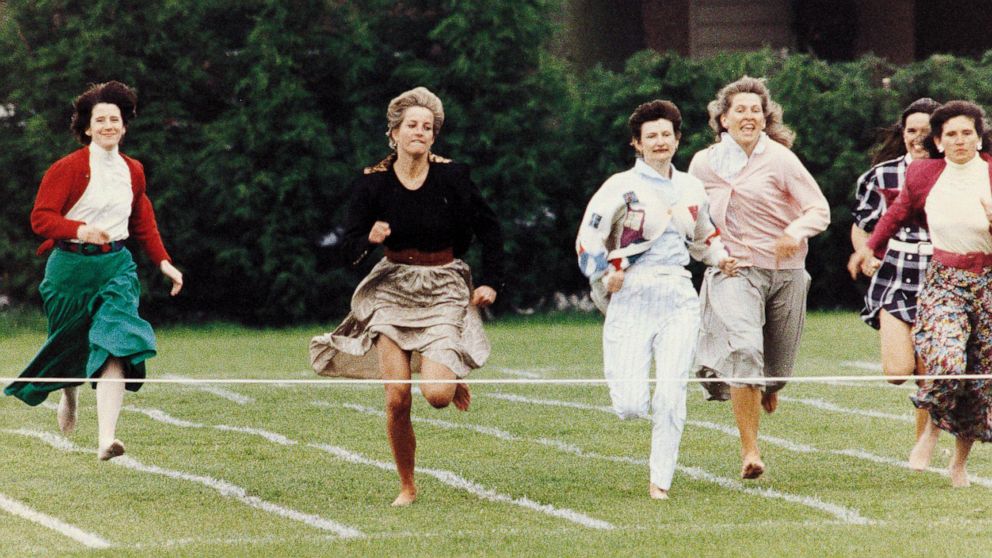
[[895, 285], [876, 189]]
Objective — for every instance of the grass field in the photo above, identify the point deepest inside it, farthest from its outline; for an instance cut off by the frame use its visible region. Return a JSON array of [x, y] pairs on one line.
[[529, 470]]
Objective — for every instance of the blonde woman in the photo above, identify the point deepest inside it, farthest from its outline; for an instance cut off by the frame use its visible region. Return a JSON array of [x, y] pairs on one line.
[[424, 211]]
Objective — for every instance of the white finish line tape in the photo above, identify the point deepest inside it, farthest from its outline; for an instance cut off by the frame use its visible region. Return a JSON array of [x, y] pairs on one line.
[[560, 381]]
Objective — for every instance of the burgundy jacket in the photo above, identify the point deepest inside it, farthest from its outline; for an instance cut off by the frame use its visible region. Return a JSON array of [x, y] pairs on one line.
[[908, 206]]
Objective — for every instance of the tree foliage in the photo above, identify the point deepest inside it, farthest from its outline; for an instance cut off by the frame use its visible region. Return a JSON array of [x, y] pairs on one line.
[[256, 115]]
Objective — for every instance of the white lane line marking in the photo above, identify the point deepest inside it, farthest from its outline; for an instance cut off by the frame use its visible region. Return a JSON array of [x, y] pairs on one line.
[[225, 488], [787, 444], [847, 515], [446, 477], [452, 479], [161, 416], [533, 374], [17, 508], [775, 441], [862, 365], [218, 391], [861, 454], [828, 406]]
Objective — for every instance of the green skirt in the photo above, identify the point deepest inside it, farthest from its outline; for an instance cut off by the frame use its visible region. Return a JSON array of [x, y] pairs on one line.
[[92, 308]]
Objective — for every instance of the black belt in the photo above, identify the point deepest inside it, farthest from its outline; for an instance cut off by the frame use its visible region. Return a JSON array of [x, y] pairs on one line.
[[87, 249]]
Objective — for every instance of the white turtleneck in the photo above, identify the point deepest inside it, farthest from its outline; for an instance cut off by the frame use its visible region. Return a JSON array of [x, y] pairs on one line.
[[106, 202], [955, 214]]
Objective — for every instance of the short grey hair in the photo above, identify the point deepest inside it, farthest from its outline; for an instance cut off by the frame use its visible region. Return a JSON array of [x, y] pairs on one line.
[[416, 97]]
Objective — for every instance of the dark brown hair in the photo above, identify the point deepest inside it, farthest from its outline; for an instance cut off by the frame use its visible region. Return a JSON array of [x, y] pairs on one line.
[[651, 111], [892, 143], [112, 92], [948, 111]]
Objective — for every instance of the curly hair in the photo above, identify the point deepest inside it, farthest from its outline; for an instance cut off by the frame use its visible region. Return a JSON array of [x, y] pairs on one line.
[[651, 111], [772, 110], [950, 110], [416, 97], [112, 92], [892, 144]]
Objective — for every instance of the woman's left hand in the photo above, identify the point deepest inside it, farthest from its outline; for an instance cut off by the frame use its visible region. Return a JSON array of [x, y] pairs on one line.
[[174, 274], [483, 296]]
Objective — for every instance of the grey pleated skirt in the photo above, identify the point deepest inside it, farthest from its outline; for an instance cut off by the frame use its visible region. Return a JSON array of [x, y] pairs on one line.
[[424, 309]]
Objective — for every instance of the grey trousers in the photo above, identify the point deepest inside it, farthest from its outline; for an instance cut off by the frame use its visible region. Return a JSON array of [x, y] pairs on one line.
[[751, 328]]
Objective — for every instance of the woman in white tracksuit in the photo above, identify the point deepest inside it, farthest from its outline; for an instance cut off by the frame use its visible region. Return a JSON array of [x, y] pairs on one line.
[[634, 242]]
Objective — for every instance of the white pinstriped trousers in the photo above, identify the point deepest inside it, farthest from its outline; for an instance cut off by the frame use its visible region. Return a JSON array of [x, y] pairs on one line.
[[652, 316]]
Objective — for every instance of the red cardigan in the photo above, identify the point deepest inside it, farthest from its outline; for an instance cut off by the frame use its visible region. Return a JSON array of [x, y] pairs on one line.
[[62, 186], [909, 206]]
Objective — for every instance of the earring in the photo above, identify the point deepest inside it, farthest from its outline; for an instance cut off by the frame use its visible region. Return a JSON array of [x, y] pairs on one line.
[[979, 146], [940, 148]]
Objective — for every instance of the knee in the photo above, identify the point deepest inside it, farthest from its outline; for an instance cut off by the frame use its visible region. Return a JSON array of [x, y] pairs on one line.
[[439, 396], [897, 369]]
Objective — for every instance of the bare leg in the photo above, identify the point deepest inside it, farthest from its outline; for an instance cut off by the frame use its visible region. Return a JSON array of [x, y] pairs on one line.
[[442, 395], [462, 397], [746, 402], [394, 363], [109, 398], [769, 401], [922, 415], [898, 354], [959, 475], [656, 492], [919, 457], [66, 414]]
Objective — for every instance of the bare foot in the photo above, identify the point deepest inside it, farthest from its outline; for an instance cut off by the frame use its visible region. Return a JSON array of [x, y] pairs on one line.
[[752, 468], [657, 493], [959, 476], [919, 456], [769, 402], [406, 497], [66, 414], [115, 449], [462, 397]]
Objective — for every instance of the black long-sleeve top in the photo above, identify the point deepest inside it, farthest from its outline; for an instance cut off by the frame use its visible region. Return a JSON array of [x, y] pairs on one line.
[[447, 211]]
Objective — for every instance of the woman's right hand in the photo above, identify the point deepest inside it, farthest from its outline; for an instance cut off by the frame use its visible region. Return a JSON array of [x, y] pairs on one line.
[[92, 235], [863, 260], [380, 230]]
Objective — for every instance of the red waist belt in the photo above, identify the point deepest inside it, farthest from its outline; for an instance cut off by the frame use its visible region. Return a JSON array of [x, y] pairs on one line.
[[975, 262], [412, 256]]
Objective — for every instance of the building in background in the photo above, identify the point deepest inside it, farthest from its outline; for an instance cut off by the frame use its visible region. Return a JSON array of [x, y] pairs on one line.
[[609, 31]]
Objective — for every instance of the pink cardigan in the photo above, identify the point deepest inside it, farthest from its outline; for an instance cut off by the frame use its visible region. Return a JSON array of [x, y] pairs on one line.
[[773, 194]]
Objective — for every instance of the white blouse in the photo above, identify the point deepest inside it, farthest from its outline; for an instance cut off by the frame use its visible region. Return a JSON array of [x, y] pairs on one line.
[[955, 214], [106, 202]]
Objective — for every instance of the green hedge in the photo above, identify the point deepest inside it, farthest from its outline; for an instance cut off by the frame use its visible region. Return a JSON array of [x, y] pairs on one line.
[[255, 116]]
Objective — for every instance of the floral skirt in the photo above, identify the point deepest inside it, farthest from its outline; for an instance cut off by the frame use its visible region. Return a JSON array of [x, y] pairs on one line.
[[92, 308], [424, 309], [953, 335]]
